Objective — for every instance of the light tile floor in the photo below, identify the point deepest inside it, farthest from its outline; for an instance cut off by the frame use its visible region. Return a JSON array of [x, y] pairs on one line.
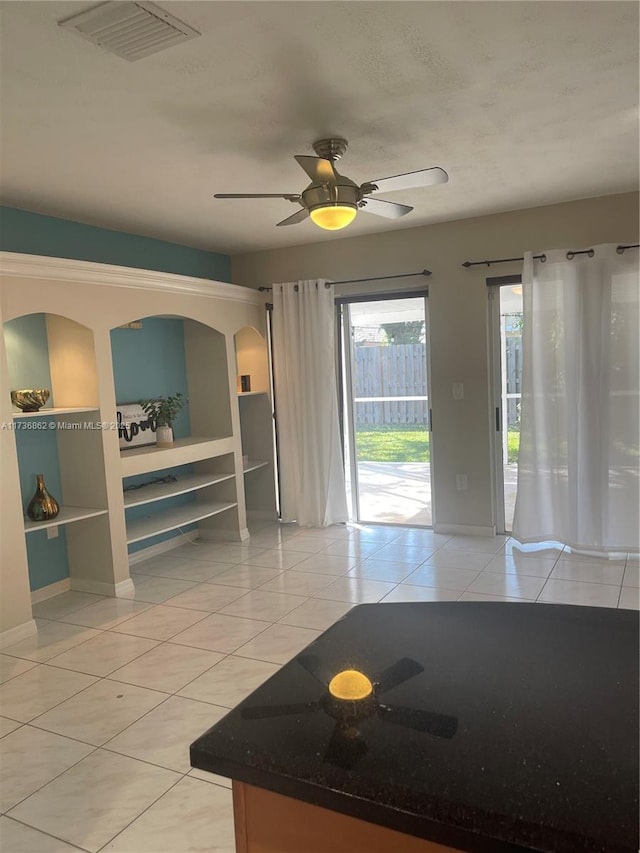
[[97, 712]]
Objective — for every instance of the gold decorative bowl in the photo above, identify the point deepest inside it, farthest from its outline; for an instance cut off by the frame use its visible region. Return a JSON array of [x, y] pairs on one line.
[[30, 399]]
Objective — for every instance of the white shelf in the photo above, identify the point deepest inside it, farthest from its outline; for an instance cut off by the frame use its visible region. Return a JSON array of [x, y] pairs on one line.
[[170, 519], [250, 393], [52, 412], [67, 515], [253, 465], [184, 484], [142, 460]]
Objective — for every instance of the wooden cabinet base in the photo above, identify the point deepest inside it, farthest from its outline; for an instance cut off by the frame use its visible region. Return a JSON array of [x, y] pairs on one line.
[[271, 823]]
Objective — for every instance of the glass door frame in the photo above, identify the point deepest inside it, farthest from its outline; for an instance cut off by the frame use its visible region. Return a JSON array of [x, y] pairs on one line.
[[496, 381], [346, 404]]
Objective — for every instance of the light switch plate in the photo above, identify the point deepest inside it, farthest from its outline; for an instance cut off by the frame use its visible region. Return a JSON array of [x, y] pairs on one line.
[[458, 390]]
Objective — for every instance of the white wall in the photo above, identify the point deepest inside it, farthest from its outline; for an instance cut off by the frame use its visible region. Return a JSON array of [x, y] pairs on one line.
[[458, 312]]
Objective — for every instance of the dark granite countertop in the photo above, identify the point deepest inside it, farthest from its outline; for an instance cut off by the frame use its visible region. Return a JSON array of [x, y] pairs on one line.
[[491, 726]]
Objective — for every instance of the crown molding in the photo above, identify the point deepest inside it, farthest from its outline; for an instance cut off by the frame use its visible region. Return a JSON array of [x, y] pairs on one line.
[[108, 275]]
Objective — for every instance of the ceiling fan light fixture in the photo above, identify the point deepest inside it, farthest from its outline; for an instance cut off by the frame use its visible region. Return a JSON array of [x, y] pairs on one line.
[[350, 685], [333, 217]]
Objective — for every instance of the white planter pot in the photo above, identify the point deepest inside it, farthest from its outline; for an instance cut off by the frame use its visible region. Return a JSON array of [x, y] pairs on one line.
[[164, 436]]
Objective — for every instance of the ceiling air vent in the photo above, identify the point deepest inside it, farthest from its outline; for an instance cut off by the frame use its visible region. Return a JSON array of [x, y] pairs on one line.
[[130, 30]]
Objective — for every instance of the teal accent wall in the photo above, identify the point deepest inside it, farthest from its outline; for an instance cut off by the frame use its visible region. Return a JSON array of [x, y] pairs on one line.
[[36, 234], [28, 360], [150, 362], [147, 363]]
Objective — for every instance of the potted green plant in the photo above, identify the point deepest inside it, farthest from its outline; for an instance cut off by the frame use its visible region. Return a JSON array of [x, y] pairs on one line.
[[162, 412]]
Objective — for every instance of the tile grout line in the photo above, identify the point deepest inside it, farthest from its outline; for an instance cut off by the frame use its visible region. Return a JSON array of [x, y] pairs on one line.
[[48, 834], [146, 809]]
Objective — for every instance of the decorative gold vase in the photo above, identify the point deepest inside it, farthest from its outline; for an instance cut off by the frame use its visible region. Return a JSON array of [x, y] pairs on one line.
[[42, 506]]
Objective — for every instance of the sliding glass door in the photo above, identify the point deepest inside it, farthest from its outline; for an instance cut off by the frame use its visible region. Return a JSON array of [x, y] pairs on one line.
[[506, 347], [386, 408]]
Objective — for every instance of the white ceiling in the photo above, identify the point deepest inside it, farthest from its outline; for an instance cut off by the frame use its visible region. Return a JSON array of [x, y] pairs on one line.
[[523, 104]]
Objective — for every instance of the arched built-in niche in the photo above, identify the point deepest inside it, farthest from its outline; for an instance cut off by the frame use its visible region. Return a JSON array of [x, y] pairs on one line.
[[158, 356], [256, 423], [64, 442], [161, 355], [252, 359]]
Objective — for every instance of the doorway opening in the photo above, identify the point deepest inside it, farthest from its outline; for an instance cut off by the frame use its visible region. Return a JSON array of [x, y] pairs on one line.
[[506, 320], [385, 408]]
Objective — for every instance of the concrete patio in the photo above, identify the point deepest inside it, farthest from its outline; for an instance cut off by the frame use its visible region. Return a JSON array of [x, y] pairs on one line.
[[400, 492]]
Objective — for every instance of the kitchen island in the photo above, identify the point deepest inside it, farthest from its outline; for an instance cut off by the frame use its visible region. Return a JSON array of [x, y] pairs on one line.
[[407, 728]]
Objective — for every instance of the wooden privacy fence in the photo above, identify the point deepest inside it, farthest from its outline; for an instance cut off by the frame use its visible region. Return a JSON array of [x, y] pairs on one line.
[[384, 373]]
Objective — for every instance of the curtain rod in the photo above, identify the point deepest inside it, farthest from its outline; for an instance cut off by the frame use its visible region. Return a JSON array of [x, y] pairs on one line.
[[374, 278], [543, 258]]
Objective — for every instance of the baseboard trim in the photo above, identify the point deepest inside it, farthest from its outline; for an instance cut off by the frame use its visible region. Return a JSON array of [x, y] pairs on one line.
[[87, 585], [20, 632], [162, 547], [465, 529], [224, 535], [262, 515], [124, 588], [49, 591], [117, 590]]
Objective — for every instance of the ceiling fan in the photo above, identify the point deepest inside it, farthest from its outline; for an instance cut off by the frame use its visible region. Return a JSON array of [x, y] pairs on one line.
[[332, 200], [350, 697]]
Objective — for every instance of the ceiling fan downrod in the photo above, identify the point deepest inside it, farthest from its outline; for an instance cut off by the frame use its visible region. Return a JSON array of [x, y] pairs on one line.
[[331, 149]]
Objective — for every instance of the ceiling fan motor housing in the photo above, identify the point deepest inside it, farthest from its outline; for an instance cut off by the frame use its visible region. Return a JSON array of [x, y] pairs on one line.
[[342, 192]]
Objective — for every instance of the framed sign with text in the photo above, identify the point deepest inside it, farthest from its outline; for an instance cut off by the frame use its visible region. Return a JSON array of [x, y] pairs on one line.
[[134, 427]]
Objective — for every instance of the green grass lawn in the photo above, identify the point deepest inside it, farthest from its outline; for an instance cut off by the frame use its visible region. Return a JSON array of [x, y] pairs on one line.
[[405, 443], [392, 443], [513, 445]]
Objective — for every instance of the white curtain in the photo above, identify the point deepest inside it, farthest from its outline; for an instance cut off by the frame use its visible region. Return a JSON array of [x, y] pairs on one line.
[[312, 487], [578, 469]]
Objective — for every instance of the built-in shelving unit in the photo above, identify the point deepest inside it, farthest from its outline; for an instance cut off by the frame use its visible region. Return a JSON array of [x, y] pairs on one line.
[[205, 491], [59, 319], [254, 465], [47, 350], [143, 460], [67, 515], [182, 486], [53, 412], [167, 520], [256, 423]]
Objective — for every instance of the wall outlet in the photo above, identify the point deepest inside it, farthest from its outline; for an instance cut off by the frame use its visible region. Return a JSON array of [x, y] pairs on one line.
[[458, 390], [52, 532], [461, 482]]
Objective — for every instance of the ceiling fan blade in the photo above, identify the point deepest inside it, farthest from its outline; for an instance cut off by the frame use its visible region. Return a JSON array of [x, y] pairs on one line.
[[345, 748], [262, 712], [440, 725], [397, 673], [319, 170], [290, 196], [388, 209], [411, 180], [298, 216]]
